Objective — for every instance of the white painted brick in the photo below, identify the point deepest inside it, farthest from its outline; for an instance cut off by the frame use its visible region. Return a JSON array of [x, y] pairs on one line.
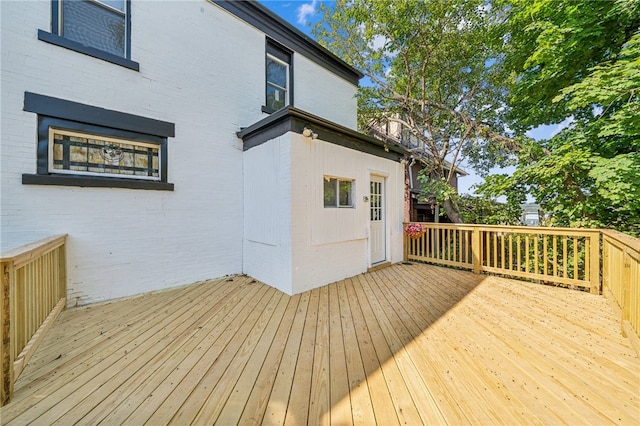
[[200, 68]]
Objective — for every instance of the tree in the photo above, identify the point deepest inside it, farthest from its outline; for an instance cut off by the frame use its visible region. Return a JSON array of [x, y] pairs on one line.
[[577, 63], [431, 69]]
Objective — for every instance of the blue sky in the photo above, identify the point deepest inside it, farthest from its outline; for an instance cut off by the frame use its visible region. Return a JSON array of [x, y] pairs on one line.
[[302, 14], [296, 12]]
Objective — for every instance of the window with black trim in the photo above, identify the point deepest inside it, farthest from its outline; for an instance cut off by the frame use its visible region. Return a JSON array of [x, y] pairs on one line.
[[279, 75], [99, 28], [84, 145], [81, 153], [338, 192]]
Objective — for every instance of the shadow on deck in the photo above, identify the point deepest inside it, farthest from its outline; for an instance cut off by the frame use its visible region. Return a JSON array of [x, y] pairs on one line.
[[410, 344]]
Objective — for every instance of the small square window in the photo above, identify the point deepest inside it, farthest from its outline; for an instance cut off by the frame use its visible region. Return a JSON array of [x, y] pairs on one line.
[[338, 192]]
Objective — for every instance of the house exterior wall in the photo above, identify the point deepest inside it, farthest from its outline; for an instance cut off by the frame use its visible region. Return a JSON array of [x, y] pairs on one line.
[[292, 242], [338, 104], [267, 219], [206, 75], [330, 244]]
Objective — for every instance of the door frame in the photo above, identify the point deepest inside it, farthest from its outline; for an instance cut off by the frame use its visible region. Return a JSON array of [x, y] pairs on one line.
[[384, 178]]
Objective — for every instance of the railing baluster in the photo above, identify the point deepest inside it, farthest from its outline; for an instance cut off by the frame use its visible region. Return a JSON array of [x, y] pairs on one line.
[[565, 266]]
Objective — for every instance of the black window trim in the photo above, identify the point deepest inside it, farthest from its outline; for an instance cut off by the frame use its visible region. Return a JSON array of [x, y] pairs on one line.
[[56, 39], [280, 52], [90, 119]]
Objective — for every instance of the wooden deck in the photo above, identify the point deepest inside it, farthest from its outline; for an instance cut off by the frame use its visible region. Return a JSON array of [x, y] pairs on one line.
[[408, 344]]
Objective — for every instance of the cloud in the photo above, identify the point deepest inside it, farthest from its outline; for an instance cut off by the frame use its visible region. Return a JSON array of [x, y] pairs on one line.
[[306, 10]]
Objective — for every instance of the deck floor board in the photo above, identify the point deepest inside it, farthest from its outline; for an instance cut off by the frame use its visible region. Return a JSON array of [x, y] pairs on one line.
[[407, 344]]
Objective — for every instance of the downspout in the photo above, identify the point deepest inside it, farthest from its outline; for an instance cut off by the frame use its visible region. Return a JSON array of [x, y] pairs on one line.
[[413, 160]]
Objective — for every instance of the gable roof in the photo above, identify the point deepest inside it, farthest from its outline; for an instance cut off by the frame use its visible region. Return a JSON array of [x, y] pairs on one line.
[[284, 33]]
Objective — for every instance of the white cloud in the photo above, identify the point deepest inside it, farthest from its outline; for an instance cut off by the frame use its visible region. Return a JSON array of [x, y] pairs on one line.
[[306, 10], [378, 42]]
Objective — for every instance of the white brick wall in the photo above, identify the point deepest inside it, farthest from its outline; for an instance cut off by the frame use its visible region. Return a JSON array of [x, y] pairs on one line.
[[310, 91], [200, 68], [291, 241]]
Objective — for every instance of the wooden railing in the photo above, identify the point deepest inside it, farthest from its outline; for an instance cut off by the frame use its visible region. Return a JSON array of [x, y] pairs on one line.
[[621, 280], [567, 256], [556, 255], [33, 293]]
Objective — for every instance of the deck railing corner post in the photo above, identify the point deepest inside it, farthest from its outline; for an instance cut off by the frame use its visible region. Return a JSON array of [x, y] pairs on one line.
[[6, 350]]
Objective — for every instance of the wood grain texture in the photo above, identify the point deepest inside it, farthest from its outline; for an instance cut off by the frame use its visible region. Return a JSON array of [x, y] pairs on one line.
[[407, 344]]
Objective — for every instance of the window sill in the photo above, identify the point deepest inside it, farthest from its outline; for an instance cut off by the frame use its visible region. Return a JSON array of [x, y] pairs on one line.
[[268, 110], [95, 182], [90, 51]]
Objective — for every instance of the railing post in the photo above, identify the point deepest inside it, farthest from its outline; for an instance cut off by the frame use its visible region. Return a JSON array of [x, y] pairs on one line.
[[626, 287], [405, 240], [476, 252], [6, 373], [595, 262]]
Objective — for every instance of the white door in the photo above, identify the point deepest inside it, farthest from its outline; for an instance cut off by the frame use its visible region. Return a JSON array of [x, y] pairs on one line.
[[377, 218]]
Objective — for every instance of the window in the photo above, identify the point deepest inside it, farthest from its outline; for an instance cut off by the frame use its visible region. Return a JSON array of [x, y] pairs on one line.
[[93, 23], [95, 155], [99, 28], [84, 145], [338, 192], [277, 72], [278, 78]]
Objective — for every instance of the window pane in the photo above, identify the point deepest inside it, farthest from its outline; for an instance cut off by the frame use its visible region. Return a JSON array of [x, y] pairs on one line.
[[72, 152], [94, 26], [345, 193], [275, 97], [330, 186], [276, 73], [116, 4]]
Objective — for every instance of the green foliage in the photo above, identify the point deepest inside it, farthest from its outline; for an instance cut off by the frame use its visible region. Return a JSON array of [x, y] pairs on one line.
[[430, 68], [468, 78], [551, 45], [484, 210], [578, 63]]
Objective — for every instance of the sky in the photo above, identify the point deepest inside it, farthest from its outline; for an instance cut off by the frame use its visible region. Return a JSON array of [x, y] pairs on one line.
[[302, 14]]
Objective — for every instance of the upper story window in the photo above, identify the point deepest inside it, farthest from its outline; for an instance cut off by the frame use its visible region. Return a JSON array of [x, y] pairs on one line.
[[279, 74], [100, 24], [98, 28]]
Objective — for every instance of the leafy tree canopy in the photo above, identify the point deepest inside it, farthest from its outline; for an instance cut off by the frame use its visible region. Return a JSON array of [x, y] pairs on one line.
[[468, 78], [430, 65], [576, 62]]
